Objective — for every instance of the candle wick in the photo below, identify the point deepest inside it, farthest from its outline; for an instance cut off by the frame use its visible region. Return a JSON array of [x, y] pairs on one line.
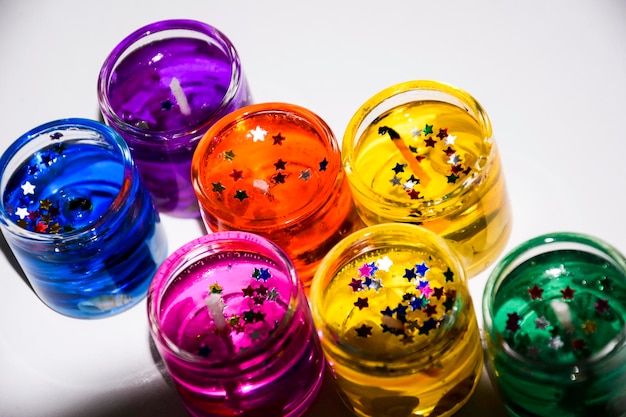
[[215, 305], [179, 94], [563, 313], [414, 165]]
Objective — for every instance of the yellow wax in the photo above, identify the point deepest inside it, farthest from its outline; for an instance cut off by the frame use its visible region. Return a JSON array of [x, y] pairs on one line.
[[433, 163], [398, 324]]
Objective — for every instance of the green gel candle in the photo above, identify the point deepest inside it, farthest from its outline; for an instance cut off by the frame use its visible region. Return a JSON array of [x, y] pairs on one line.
[[555, 313]]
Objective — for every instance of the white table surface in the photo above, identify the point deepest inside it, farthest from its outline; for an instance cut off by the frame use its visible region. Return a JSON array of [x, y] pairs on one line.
[[551, 75]]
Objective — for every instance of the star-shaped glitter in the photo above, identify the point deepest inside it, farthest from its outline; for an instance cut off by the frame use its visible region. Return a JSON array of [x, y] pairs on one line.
[[443, 133], [45, 204], [452, 179], [449, 151], [215, 288], [395, 181], [363, 331], [438, 292], [241, 195], [249, 316], [454, 159], [450, 140], [305, 175], [416, 303], [218, 187], [409, 274], [416, 132], [428, 325], [415, 195], [229, 155], [408, 185], [167, 105], [601, 305], [428, 130], [248, 291], [278, 139], [421, 269], [365, 270], [272, 295], [236, 174], [255, 335], [280, 164], [535, 292], [264, 274], [257, 134], [22, 212], [589, 327], [533, 351], [323, 164], [41, 227], [555, 343], [279, 178], [579, 344], [259, 316], [31, 169], [387, 312], [361, 303], [356, 284], [261, 289], [425, 289], [430, 142], [204, 351], [28, 188], [384, 263], [398, 168], [430, 309], [22, 223], [375, 284], [541, 323], [456, 169], [512, 322], [234, 320], [59, 148], [55, 228], [568, 293], [56, 136], [449, 275]]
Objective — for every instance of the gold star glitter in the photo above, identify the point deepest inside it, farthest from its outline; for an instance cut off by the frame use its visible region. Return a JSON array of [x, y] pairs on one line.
[[589, 327]]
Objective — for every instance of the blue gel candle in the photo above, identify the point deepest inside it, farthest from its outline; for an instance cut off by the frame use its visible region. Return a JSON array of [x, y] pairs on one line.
[[78, 218]]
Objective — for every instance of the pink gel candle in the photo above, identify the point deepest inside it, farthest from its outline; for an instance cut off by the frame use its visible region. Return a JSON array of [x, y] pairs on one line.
[[229, 317]]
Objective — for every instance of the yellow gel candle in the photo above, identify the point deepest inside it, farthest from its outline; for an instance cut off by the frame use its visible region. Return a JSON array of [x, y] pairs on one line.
[[397, 323], [422, 152]]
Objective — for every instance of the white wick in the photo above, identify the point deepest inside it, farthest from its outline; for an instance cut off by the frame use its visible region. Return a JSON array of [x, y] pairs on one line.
[[216, 309], [181, 99], [562, 311]]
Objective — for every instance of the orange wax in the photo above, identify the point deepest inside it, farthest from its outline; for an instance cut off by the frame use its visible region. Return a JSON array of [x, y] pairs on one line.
[[274, 169]]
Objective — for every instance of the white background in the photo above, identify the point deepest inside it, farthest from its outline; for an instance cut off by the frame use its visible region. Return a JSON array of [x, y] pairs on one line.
[[551, 75]]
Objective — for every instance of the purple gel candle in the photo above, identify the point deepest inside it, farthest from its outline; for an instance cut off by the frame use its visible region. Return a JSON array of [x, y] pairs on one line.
[[161, 88], [231, 322]]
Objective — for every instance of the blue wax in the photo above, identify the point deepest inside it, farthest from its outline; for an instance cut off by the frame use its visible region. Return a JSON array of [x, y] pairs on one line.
[[88, 248]]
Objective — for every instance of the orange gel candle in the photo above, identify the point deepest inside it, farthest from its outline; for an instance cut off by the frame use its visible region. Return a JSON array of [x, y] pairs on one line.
[[274, 169]]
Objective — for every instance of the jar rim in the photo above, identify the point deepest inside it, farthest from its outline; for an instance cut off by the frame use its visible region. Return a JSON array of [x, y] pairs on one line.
[[199, 248], [213, 137], [359, 243], [390, 98], [546, 243], [127, 187], [157, 137]]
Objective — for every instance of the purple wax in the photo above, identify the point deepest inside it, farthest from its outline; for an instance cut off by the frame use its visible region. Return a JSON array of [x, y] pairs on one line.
[[161, 88]]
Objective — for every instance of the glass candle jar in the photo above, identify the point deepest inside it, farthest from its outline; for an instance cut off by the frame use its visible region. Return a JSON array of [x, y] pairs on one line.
[[161, 88], [397, 323], [78, 218], [231, 322], [274, 169], [554, 314], [422, 152]]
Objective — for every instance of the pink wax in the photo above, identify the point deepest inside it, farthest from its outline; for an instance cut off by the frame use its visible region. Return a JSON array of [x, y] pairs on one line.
[[233, 327]]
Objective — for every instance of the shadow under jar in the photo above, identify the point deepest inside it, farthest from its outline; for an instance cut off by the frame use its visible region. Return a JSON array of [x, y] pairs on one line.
[[422, 152], [160, 89]]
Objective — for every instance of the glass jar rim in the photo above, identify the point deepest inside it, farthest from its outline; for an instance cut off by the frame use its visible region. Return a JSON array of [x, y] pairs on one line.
[[127, 188], [153, 137], [350, 249], [527, 250], [442, 92], [213, 134], [197, 249]]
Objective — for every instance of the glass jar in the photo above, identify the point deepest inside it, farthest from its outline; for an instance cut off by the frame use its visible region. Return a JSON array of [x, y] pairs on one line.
[[422, 152], [231, 322], [78, 218], [554, 313], [396, 322], [160, 89], [274, 169]]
